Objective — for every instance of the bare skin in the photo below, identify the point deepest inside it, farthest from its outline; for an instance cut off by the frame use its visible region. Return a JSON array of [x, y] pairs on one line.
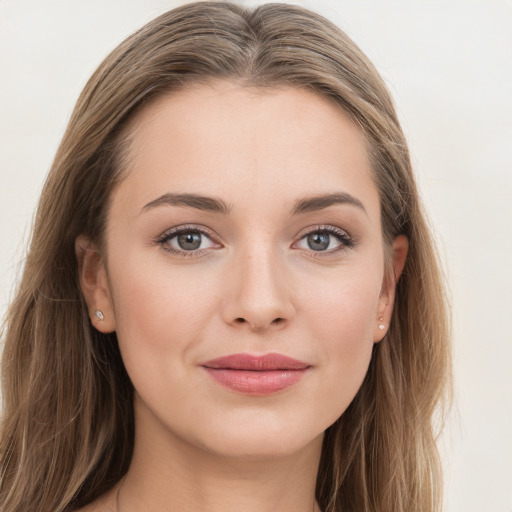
[[284, 256]]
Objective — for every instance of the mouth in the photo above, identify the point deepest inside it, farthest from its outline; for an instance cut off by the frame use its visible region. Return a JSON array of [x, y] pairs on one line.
[[256, 375]]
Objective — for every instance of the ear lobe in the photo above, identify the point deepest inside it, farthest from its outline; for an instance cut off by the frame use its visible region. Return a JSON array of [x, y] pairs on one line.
[[399, 251], [94, 284]]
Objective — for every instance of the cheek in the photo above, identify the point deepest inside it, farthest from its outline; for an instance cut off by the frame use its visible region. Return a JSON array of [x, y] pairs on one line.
[[344, 307], [343, 318], [160, 312]]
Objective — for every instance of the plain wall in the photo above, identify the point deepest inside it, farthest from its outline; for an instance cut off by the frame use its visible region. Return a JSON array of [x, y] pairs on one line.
[[448, 64]]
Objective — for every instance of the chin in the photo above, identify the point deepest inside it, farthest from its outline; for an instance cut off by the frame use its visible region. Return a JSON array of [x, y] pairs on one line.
[[257, 435], [259, 446]]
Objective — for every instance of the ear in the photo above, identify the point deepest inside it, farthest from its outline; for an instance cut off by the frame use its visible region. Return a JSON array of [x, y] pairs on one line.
[[392, 274], [94, 284]]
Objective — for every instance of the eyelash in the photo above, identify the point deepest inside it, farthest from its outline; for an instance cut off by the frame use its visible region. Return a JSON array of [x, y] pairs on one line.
[[164, 239], [346, 241]]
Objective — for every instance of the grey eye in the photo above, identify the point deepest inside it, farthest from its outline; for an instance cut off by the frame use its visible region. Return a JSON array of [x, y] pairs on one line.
[[318, 241], [189, 241], [328, 240]]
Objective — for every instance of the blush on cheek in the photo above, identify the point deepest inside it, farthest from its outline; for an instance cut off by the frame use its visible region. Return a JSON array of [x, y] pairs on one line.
[[347, 324], [161, 311]]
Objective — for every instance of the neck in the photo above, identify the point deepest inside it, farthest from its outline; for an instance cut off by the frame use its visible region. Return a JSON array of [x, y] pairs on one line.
[[178, 476]]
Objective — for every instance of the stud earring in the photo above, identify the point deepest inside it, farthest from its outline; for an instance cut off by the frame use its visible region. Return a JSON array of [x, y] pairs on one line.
[[99, 314], [381, 325]]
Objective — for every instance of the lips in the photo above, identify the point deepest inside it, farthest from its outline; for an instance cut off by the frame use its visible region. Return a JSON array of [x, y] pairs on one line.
[[256, 375]]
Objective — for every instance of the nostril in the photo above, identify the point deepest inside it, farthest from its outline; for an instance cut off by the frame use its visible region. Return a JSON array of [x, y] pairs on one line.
[[276, 322]]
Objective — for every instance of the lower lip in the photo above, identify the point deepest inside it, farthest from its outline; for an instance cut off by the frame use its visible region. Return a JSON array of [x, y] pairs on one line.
[[252, 382]]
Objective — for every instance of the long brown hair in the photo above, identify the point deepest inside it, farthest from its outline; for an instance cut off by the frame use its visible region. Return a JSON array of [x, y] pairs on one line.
[[67, 430]]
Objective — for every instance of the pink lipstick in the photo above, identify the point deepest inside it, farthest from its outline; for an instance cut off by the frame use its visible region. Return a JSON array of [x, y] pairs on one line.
[[256, 375]]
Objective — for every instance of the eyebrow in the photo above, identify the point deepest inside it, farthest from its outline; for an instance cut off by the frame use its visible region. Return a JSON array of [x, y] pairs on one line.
[[320, 202], [208, 204], [211, 204]]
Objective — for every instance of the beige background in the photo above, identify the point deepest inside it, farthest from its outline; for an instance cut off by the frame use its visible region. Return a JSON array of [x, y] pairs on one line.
[[449, 66]]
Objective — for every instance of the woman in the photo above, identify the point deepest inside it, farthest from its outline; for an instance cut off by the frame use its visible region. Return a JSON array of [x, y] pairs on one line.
[[231, 299]]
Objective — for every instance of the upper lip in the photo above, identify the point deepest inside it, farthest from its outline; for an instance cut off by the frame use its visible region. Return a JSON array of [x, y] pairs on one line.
[[267, 362]]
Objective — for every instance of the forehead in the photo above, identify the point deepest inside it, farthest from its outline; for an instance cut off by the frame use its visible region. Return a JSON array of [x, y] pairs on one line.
[[226, 140]]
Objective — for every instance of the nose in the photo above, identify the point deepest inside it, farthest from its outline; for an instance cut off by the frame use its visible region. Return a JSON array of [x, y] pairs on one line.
[[259, 297]]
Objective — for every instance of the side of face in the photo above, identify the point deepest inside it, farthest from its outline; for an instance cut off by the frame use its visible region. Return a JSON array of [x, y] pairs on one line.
[[248, 223]]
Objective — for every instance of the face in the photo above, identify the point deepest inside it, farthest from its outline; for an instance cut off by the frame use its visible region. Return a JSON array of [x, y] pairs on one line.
[[243, 268]]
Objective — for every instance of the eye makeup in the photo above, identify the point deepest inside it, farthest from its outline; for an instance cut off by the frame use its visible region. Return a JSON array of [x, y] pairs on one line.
[[188, 240], [196, 241], [325, 239]]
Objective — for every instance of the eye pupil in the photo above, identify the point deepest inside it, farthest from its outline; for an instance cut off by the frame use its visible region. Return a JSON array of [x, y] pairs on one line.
[[189, 241], [318, 241]]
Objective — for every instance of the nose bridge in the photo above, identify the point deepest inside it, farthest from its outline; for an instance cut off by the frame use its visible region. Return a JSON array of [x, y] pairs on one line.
[[260, 296]]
